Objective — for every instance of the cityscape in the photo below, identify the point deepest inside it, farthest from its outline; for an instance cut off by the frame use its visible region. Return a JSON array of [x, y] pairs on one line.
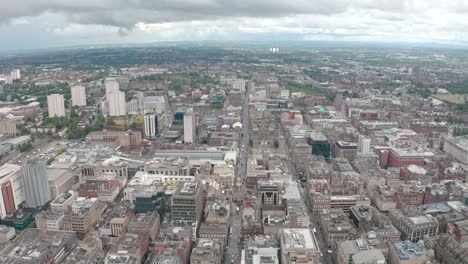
[[257, 151]]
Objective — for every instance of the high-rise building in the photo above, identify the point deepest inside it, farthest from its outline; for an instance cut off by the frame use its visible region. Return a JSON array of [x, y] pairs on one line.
[[35, 183], [117, 104], [78, 95], [364, 145], [15, 74], [56, 105], [111, 85], [187, 202], [151, 125], [10, 187], [189, 126]]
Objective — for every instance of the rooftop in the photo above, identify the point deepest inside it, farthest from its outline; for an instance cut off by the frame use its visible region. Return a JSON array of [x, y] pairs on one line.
[[298, 239]]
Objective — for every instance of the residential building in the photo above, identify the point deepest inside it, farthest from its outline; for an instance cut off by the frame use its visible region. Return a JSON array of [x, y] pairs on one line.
[[111, 85], [364, 145], [56, 105], [78, 95], [449, 251], [35, 183], [117, 104], [151, 125]]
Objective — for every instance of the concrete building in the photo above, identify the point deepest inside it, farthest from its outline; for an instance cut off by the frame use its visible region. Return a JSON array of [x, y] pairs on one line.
[[59, 181], [409, 253], [128, 245], [364, 145], [8, 127], [56, 105], [187, 202], [78, 95], [15, 74], [117, 104], [39, 246], [145, 224], [269, 194], [207, 251], [449, 251], [356, 251], [299, 245], [151, 125], [335, 226], [414, 228], [11, 190], [111, 85], [457, 148], [189, 126], [82, 215], [35, 184]]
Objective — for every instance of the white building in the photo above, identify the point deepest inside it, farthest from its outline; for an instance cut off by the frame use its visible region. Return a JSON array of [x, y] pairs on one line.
[[189, 126], [111, 85], [239, 84], [78, 95], [364, 145], [15, 74], [298, 244], [117, 104], [151, 125], [11, 190], [56, 105]]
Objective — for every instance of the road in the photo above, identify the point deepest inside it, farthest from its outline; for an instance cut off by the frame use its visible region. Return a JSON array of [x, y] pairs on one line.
[[233, 251]]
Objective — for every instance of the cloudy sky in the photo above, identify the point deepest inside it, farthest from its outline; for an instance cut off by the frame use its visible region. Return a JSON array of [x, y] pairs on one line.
[[32, 24]]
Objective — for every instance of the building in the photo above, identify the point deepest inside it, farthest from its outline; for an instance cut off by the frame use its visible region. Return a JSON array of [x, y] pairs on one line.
[[128, 245], [15, 74], [59, 181], [335, 226], [8, 127], [189, 126], [151, 199], [408, 253], [117, 104], [111, 85], [344, 149], [82, 215], [457, 148], [118, 225], [356, 251], [187, 202], [449, 251], [78, 95], [145, 224], [35, 184], [320, 144], [151, 125], [269, 194], [6, 234], [39, 246], [299, 245], [56, 105], [414, 228], [11, 190], [207, 251], [364, 145]]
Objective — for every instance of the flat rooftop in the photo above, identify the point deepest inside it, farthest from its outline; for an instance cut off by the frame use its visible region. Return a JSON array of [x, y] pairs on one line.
[[298, 239]]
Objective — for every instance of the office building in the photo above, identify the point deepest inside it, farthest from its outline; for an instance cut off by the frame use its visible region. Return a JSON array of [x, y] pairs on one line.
[[78, 95], [298, 245], [187, 202], [207, 251], [414, 228], [35, 184], [11, 191], [189, 126], [117, 104], [56, 105], [269, 194], [320, 144], [111, 85], [82, 215], [145, 224], [151, 125], [364, 145]]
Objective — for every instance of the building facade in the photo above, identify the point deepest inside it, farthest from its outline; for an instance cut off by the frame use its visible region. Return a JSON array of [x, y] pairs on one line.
[[56, 105]]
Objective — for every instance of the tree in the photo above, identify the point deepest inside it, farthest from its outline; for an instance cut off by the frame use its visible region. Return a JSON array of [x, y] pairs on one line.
[[276, 144]]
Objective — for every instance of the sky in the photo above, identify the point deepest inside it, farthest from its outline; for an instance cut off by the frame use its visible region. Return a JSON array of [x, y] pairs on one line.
[[37, 24]]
